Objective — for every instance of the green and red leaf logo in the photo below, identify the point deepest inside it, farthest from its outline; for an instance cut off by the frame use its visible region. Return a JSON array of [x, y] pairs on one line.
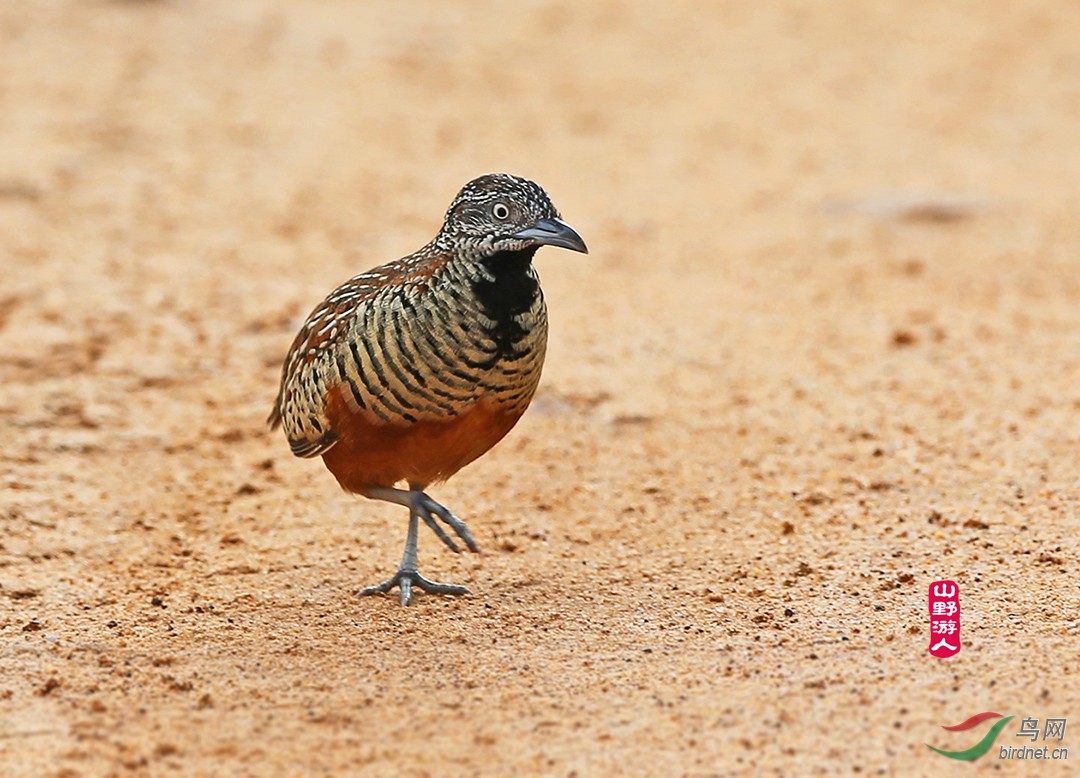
[[984, 745]]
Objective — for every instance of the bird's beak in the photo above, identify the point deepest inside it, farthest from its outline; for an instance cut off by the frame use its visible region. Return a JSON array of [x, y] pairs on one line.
[[553, 232]]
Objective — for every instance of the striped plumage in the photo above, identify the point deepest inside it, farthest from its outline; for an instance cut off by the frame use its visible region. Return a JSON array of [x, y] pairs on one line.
[[412, 370]]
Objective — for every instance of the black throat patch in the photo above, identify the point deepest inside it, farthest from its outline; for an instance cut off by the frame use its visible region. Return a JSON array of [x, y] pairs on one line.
[[510, 293]]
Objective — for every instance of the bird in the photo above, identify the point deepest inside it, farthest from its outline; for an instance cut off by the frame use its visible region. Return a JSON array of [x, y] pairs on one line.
[[408, 372]]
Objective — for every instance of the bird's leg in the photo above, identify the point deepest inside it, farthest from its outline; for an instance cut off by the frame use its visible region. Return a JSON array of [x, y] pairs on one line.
[[408, 574]]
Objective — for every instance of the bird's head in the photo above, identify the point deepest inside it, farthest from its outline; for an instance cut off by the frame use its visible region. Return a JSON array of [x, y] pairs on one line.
[[500, 212]]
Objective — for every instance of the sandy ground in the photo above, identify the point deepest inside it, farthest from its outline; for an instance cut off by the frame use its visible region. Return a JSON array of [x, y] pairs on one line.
[[825, 350]]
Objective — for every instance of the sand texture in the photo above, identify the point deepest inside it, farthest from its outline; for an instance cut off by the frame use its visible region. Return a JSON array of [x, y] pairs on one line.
[[824, 351]]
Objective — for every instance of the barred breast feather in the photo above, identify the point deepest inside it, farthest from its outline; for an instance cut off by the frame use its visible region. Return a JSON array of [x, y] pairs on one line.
[[422, 339]]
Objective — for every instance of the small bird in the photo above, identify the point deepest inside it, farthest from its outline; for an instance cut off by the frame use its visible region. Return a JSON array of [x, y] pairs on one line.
[[408, 372]]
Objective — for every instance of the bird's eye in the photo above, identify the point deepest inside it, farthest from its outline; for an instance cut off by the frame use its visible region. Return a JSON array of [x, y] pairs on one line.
[[500, 211]]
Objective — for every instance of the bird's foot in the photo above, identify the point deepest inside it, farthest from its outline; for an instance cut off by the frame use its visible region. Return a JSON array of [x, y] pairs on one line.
[[429, 510], [405, 579]]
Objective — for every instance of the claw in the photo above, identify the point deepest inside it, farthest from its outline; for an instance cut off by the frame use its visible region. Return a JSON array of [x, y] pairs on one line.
[[421, 507], [455, 523], [405, 580], [425, 514]]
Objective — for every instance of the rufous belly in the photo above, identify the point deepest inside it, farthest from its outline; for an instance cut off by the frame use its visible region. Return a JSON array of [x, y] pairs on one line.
[[370, 453]]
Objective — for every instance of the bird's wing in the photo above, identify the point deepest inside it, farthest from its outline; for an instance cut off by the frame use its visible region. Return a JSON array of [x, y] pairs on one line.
[[308, 375]]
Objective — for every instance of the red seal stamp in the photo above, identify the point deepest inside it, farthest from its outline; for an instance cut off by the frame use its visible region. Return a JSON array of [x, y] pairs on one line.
[[944, 619]]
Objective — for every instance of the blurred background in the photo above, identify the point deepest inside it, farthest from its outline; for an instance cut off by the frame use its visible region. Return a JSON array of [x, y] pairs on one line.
[[171, 155], [824, 350]]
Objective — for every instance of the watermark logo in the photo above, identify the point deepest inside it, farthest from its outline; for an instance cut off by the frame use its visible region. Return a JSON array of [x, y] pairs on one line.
[[944, 599], [984, 745], [1029, 728]]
